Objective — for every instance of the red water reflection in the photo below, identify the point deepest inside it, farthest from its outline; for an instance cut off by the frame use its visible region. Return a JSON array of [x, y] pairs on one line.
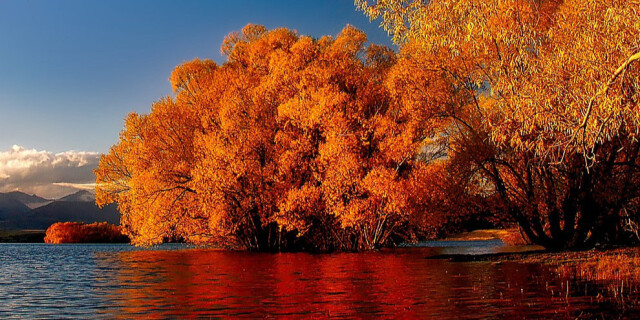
[[399, 284]]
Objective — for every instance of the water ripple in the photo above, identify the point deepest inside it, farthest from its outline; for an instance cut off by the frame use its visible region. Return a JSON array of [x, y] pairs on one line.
[[119, 281]]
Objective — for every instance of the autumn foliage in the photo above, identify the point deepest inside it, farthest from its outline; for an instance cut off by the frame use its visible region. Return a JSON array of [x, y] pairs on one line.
[[293, 143], [78, 232], [525, 111], [544, 106]]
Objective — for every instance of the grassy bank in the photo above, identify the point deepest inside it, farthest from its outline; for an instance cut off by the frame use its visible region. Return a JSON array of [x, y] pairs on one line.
[[611, 276], [36, 236], [614, 264], [615, 271]]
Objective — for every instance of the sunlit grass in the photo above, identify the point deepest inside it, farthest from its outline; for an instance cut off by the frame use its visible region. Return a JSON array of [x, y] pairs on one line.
[[617, 265]]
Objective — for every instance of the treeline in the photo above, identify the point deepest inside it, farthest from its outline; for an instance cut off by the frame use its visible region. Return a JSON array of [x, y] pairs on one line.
[[517, 111], [79, 232]]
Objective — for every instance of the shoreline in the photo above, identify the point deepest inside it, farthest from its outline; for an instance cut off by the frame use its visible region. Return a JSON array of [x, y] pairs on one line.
[[22, 236]]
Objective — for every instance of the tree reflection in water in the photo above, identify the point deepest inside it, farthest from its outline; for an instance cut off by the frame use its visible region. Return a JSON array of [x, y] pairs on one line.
[[400, 283]]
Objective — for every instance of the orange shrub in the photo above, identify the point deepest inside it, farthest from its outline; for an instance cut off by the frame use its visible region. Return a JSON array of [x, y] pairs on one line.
[[79, 232]]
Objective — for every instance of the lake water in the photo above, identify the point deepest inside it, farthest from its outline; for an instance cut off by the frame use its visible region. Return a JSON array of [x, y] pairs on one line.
[[174, 281]]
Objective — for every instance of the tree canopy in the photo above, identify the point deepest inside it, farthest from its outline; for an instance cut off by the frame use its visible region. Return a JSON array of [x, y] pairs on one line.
[[525, 111], [546, 115], [293, 143]]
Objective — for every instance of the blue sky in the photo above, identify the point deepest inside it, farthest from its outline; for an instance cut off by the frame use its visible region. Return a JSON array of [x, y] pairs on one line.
[[71, 70]]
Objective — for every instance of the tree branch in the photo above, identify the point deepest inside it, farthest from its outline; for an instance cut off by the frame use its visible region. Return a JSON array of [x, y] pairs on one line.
[[605, 90]]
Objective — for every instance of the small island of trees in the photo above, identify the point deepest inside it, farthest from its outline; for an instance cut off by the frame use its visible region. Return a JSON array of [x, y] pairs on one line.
[[522, 111]]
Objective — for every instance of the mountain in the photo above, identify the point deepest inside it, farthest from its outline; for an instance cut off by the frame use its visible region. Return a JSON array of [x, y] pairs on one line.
[[80, 196], [21, 211], [13, 205], [11, 208], [30, 201], [62, 211]]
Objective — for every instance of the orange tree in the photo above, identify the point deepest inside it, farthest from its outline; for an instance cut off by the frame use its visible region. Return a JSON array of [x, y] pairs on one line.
[[292, 143], [544, 105]]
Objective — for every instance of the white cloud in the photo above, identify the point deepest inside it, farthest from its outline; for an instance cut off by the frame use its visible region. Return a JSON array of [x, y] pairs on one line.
[[45, 173], [79, 186]]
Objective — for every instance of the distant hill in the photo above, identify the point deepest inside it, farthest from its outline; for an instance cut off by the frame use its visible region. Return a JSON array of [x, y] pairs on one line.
[[11, 208], [30, 201], [80, 196], [63, 211], [14, 205], [16, 213]]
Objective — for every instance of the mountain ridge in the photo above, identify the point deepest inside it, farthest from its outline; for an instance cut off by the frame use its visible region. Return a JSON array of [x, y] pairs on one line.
[[19, 210], [81, 196], [30, 201]]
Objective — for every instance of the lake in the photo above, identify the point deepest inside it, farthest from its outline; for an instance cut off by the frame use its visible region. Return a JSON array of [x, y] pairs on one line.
[[176, 281]]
